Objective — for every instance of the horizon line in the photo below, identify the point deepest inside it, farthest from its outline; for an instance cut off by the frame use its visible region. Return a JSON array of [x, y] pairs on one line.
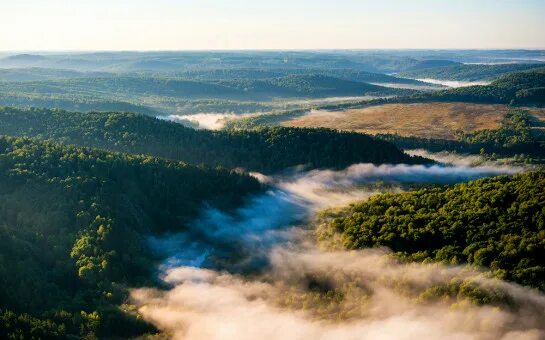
[[277, 49]]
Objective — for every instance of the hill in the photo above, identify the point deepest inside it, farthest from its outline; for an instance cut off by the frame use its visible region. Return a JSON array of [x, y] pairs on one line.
[[467, 72], [37, 74], [311, 86], [265, 150], [346, 74], [73, 224], [295, 86], [431, 63], [519, 88], [498, 223]]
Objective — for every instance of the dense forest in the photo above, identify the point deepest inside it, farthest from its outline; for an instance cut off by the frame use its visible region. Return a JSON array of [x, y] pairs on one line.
[[265, 149], [497, 223], [264, 73], [73, 223], [156, 94], [130, 87], [467, 72], [514, 137], [519, 88]]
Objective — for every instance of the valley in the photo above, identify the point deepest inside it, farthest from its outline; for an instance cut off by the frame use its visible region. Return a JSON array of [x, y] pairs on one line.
[[272, 195]]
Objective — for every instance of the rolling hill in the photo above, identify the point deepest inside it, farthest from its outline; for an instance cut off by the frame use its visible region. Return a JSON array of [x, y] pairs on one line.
[[467, 72], [265, 150]]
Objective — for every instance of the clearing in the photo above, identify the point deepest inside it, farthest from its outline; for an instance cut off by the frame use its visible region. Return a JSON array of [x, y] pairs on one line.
[[430, 120]]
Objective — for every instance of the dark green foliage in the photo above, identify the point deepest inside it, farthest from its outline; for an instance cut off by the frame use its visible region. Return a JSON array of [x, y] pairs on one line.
[[347, 74], [312, 86], [515, 130], [520, 88], [497, 223], [266, 149], [24, 326], [466, 72], [73, 223], [131, 88]]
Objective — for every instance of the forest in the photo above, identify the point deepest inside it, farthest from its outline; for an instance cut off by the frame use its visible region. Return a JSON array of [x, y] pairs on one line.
[[91, 168], [73, 227], [156, 94], [519, 88], [467, 72], [265, 150], [497, 223]]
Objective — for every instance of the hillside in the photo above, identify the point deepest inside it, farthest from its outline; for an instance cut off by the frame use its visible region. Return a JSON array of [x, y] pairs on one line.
[[346, 74], [498, 223], [294, 86], [430, 63], [266, 150], [467, 72], [312, 86], [73, 223], [36, 74], [519, 88]]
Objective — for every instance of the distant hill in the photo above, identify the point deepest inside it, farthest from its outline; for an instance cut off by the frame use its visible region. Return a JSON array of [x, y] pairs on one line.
[[432, 63], [23, 58], [38, 74], [465, 72], [346, 74], [309, 86], [519, 88], [83, 93]]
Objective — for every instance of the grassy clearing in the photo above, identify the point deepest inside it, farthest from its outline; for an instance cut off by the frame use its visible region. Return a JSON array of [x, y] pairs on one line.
[[428, 120]]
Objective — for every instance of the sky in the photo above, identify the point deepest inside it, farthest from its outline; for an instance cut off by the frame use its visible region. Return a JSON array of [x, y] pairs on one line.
[[39, 25]]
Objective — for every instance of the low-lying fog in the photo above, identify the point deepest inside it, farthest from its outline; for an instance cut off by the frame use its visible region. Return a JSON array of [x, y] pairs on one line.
[[209, 121], [257, 273], [453, 83], [217, 120]]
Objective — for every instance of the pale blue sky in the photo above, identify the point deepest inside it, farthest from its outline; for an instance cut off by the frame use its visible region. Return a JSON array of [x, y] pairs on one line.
[[278, 24]]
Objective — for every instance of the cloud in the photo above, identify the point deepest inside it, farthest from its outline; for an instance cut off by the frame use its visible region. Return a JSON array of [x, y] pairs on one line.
[[369, 296], [456, 159]]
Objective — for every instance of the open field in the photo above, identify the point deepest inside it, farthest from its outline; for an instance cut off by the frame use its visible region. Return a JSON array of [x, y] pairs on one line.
[[432, 120]]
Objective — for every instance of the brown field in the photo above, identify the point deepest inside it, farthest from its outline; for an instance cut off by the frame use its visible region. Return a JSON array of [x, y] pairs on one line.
[[432, 120]]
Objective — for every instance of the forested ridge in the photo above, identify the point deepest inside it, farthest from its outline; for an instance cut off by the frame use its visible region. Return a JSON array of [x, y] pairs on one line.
[[73, 223], [497, 223], [131, 87], [264, 73], [467, 72], [265, 149], [518, 88]]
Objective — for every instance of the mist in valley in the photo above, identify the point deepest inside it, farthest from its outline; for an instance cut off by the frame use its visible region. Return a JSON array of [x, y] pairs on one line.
[[258, 272]]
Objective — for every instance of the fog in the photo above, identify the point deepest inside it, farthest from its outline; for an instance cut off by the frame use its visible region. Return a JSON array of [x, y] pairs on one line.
[[469, 160], [257, 273], [453, 83], [210, 121], [375, 298]]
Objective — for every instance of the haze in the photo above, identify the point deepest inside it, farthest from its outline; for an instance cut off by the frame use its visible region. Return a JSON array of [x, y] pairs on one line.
[[280, 24]]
